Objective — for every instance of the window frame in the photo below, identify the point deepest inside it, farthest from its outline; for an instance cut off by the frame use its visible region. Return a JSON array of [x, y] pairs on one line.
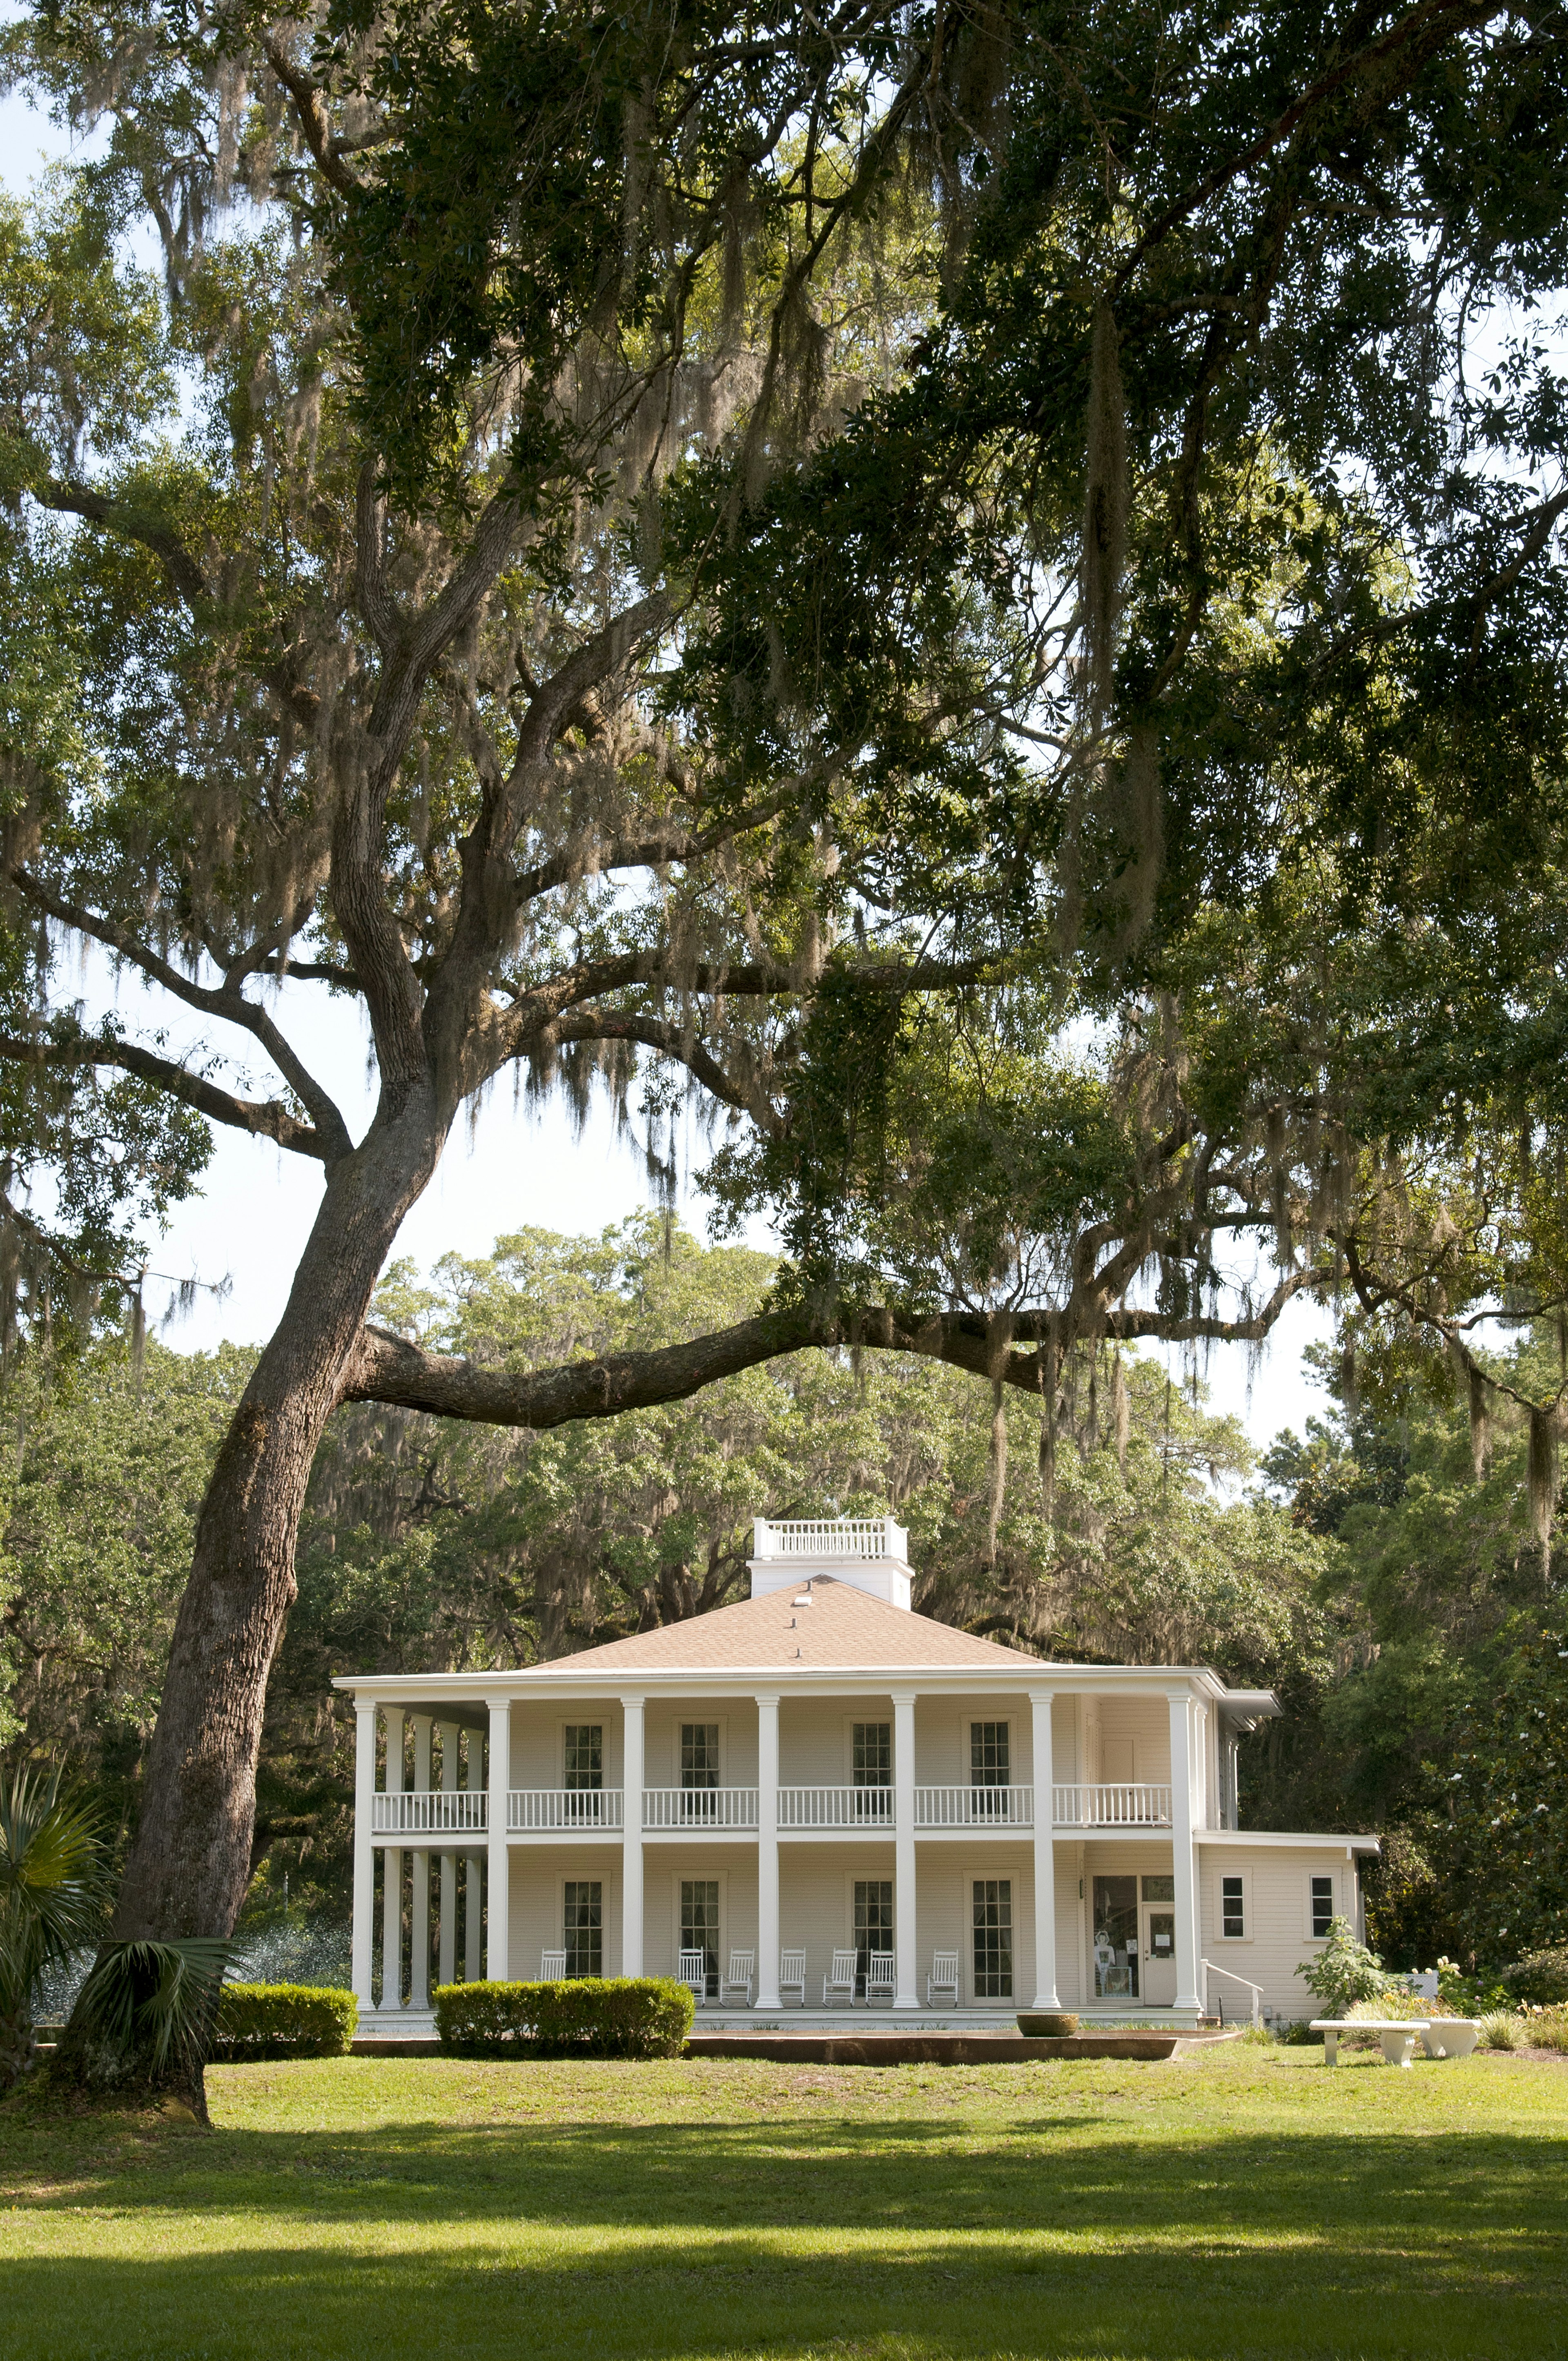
[[602, 1882], [1245, 1878], [687, 1875], [1001, 1722], [1336, 1908]]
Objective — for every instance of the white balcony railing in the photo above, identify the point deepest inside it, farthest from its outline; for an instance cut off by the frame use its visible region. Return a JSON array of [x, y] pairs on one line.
[[835, 1808], [431, 1811], [974, 1807], [543, 1810], [699, 1807], [829, 1537], [1136, 1807]]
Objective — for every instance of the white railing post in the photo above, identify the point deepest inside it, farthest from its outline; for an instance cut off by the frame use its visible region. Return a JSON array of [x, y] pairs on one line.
[[419, 1909], [631, 1909], [1045, 1858], [768, 1994], [446, 1956], [498, 1911], [393, 1871], [364, 1933], [1181, 1851], [904, 1920]]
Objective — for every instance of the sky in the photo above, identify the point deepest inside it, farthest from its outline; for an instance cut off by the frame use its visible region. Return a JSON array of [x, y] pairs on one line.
[[519, 1166]]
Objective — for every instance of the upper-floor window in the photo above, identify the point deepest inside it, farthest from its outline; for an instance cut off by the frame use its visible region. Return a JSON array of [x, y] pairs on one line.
[[585, 1757], [699, 1754], [871, 1745], [1322, 1905], [989, 1759]]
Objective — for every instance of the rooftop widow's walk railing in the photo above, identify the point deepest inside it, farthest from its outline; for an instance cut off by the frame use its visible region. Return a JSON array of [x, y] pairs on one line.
[[829, 1537]]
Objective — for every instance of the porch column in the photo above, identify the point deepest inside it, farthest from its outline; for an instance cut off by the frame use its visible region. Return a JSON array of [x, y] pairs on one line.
[[392, 1875], [1184, 1882], [498, 1899], [446, 1964], [364, 1933], [908, 1995], [1045, 1855], [474, 1891], [631, 1837], [419, 1932], [768, 1994]]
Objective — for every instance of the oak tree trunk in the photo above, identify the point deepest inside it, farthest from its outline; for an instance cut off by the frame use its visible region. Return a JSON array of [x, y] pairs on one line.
[[190, 1863]]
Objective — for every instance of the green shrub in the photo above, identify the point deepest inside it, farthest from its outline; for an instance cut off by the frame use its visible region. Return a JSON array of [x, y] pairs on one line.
[[1344, 1971], [1300, 2034], [1501, 2029], [1548, 2030], [1541, 1977], [284, 2021], [586, 2017]]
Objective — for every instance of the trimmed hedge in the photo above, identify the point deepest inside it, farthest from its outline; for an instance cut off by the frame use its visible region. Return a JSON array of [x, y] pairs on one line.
[[284, 2021], [585, 2016]]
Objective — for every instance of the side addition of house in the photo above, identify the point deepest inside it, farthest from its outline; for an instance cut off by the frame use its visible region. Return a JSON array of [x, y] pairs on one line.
[[819, 1799]]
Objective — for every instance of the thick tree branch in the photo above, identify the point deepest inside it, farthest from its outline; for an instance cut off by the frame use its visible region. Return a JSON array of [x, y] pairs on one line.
[[264, 1119], [227, 1002], [142, 525]]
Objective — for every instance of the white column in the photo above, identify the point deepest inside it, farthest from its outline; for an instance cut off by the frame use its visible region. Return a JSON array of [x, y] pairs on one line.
[[364, 1935], [632, 1837], [1045, 1856], [768, 1994], [474, 1897], [904, 1921], [1182, 1851], [419, 1908], [446, 1964], [392, 1875], [497, 1925]]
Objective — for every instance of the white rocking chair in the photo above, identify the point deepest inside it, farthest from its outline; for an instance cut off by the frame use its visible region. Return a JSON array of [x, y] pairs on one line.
[[882, 1976], [792, 1974], [693, 1973], [841, 1978], [552, 1967], [742, 1975], [943, 1978]]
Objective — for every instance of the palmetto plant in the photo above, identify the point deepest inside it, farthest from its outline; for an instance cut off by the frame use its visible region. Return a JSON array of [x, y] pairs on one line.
[[148, 2008], [53, 1888]]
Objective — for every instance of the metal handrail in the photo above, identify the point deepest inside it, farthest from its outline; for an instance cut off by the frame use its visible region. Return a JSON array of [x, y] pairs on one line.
[[1257, 1989]]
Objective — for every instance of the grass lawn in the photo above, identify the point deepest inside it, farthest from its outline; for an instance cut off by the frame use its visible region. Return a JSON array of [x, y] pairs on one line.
[[1248, 2202]]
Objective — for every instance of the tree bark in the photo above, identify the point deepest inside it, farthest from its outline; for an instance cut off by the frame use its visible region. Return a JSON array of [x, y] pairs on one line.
[[189, 1861]]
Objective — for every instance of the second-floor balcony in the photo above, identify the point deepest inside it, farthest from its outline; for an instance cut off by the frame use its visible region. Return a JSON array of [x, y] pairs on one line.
[[453, 1816]]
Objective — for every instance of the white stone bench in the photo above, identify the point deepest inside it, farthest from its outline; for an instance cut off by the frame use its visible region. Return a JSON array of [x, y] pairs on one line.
[[1398, 2034], [1452, 2036]]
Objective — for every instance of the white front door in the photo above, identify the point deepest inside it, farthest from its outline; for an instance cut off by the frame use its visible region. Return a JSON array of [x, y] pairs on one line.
[[1158, 1978]]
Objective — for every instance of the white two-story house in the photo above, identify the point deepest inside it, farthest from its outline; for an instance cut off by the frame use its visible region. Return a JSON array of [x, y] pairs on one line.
[[819, 1771]]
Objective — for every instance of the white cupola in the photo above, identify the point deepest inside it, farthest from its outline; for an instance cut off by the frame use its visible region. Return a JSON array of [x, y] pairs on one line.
[[869, 1553]]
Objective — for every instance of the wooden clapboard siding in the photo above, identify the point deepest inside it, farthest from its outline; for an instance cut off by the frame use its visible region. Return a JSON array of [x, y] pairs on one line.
[[1277, 1941]]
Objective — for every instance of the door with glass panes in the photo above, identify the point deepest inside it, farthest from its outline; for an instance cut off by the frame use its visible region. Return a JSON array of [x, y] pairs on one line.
[[1158, 1907]]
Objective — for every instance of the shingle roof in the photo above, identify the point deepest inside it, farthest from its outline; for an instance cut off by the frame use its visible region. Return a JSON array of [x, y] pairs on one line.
[[841, 1630]]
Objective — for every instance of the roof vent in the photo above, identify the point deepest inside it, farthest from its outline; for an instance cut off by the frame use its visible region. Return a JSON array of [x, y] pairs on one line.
[[869, 1553]]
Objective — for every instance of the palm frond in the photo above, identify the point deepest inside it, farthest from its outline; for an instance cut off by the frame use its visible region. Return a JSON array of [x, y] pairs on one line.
[[158, 1997]]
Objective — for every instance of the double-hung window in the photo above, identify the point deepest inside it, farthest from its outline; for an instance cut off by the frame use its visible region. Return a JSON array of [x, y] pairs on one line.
[[871, 1768], [699, 1769], [1320, 1905], [584, 1770], [990, 1770], [584, 1929], [1233, 1908]]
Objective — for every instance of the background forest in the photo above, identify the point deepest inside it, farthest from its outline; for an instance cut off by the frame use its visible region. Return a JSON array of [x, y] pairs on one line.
[[1400, 1609]]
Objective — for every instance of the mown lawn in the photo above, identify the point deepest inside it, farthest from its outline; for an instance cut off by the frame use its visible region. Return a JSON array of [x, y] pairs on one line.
[[1246, 2202]]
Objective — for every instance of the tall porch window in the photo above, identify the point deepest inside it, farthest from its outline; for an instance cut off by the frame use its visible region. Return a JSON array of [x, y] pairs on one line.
[[584, 1768], [873, 1922], [584, 1929], [871, 1768], [700, 1924], [990, 1767], [699, 1769], [993, 1935]]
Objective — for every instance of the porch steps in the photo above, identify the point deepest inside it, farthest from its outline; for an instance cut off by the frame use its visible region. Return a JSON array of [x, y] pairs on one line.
[[944, 2049]]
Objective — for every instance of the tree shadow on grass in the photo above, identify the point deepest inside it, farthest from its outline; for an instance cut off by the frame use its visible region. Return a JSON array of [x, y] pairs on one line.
[[794, 2239]]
